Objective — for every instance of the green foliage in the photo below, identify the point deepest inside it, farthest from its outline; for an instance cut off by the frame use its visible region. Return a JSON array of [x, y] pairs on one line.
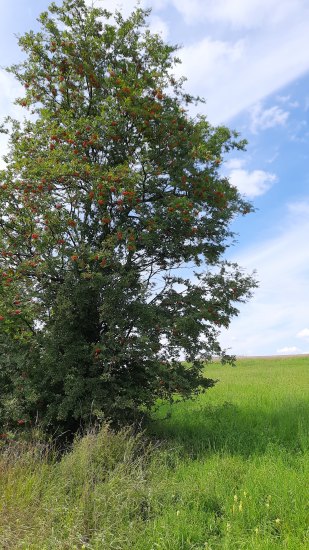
[[110, 190], [212, 485]]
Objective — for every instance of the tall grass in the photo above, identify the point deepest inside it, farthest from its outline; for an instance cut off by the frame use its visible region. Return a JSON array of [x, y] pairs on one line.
[[232, 473]]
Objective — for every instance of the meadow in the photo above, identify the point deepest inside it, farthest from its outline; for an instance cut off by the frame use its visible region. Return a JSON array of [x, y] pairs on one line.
[[228, 470]]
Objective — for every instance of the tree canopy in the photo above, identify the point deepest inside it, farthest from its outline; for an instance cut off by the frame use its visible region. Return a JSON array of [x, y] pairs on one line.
[[114, 223]]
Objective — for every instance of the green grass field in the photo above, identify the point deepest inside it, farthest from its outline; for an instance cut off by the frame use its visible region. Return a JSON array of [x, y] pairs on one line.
[[229, 470]]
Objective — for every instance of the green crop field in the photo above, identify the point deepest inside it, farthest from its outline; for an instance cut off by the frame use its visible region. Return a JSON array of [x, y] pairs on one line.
[[229, 470]]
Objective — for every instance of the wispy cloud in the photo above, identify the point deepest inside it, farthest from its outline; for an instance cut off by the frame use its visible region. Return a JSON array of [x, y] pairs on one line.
[[304, 333], [275, 316], [262, 119], [288, 350], [270, 42], [159, 26], [10, 90], [240, 14]]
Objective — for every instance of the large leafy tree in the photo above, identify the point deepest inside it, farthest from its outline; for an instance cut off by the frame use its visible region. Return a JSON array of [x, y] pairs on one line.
[[114, 221]]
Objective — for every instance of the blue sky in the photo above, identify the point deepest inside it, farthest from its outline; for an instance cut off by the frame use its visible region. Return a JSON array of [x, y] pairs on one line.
[[249, 60]]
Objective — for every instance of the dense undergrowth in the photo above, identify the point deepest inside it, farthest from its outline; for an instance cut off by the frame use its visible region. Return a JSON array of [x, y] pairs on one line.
[[226, 471]]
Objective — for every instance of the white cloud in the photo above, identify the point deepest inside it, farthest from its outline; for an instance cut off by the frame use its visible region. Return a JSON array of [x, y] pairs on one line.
[[235, 164], [274, 156], [159, 4], [283, 98], [201, 59], [158, 26], [235, 74], [288, 350], [286, 99], [280, 304], [303, 333], [239, 13], [191, 10], [252, 184], [10, 90], [3, 150], [232, 76], [300, 208], [262, 119]]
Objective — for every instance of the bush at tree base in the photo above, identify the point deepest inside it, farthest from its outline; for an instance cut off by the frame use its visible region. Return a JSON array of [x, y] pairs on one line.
[[111, 190]]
